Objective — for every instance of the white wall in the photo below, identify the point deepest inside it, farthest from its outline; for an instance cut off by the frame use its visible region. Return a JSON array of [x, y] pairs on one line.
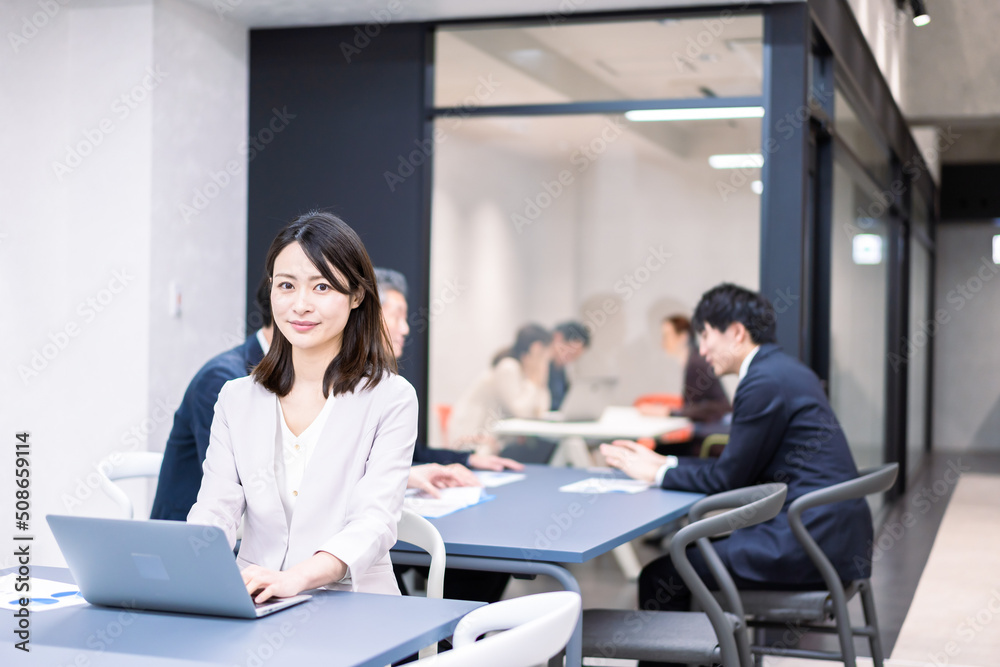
[[886, 29], [631, 203], [99, 88], [966, 353]]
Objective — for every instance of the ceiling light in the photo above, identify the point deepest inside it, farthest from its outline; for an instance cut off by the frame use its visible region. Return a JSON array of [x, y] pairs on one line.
[[737, 161], [867, 249], [920, 15], [996, 249], [757, 187], [710, 113]]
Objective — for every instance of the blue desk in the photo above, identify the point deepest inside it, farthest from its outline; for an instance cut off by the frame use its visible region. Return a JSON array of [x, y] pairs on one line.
[[334, 628], [531, 527]]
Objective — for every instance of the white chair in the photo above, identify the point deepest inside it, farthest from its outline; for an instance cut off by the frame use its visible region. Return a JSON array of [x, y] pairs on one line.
[[536, 628], [420, 532], [125, 466]]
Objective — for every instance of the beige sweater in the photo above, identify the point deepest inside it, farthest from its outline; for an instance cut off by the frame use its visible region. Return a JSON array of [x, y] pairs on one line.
[[500, 392]]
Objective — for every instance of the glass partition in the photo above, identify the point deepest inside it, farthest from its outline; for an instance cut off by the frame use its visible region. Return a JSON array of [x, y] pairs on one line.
[[592, 218], [858, 318], [921, 331]]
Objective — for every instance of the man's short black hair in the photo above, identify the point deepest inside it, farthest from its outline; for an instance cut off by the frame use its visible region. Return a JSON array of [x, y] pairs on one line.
[[573, 331], [727, 303]]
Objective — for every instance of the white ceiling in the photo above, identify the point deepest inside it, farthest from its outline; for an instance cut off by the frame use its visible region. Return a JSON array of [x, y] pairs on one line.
[[291, 13]]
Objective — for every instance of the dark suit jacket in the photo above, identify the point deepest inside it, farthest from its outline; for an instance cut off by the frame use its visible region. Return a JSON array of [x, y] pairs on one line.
[[424, 454], [180, 474], [784, 430]]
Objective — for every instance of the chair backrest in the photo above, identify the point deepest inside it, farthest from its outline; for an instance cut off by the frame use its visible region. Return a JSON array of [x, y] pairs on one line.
[[536, 628], [126, 465], [420, 532], [745, 507], [869, 481]]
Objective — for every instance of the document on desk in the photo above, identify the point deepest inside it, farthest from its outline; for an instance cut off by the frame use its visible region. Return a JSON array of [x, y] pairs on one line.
[[44, 594], [451, 500], [605, 485], [491, 478]]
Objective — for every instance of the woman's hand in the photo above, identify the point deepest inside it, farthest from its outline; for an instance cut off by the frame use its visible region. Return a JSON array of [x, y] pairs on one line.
[[263, 584], [319, 570]]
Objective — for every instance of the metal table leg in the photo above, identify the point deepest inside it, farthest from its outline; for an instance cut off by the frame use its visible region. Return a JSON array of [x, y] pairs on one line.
[[574, 649]]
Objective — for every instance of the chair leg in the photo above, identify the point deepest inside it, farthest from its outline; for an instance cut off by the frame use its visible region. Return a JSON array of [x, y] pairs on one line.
[[844, 631], [871, 620]]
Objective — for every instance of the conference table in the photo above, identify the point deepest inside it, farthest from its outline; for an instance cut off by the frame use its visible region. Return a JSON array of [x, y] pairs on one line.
[[333, 629], [530, 527]]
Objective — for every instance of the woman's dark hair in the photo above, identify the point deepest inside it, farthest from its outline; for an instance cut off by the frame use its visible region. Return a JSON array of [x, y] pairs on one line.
[[727, 303], [526, 337], [681, 325], [365, 351]]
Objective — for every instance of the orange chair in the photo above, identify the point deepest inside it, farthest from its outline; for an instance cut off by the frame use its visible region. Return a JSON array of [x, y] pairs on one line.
[[443, 411], [671, 401]]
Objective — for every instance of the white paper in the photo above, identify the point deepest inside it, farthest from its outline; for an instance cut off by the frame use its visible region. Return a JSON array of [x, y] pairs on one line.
[[451, 500], [492, 478], [45, 594], [605, 485]]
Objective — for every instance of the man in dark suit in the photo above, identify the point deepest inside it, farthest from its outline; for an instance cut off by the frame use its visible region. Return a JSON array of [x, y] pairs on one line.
[[569, 341], [783, 430], [180, 472]]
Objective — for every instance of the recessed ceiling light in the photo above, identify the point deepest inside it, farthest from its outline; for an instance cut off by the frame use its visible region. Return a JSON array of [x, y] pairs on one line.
[[736, 161], [757, 187], [709, 113], [866, 249]]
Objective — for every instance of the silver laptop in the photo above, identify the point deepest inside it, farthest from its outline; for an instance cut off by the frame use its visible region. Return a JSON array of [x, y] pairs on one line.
[[157, 565], [587, 398]]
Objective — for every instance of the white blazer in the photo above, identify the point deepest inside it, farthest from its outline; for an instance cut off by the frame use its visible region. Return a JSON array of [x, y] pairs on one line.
[[351, 495]]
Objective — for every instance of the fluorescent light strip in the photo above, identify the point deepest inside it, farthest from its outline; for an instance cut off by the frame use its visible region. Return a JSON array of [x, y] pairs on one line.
[[711, 113], [737, 161]]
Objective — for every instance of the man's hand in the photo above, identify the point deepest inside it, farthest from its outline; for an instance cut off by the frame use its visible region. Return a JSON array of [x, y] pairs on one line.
[[491, 462], [633, 459], [430, 477]]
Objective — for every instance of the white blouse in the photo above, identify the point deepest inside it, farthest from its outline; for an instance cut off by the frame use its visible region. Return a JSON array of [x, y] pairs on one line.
[[292, 454]]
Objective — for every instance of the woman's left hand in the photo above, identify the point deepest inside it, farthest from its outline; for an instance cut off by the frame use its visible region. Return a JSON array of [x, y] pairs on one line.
[[263, 584]]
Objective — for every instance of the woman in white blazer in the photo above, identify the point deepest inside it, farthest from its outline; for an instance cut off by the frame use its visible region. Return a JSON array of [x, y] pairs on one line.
[[315, 445]]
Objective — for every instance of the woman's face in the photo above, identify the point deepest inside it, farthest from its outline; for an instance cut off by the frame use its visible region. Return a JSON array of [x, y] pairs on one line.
[[307, 310], [672, 341]]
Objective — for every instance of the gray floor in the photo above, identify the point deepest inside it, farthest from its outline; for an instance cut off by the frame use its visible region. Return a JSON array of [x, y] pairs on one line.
[[899, 559]]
